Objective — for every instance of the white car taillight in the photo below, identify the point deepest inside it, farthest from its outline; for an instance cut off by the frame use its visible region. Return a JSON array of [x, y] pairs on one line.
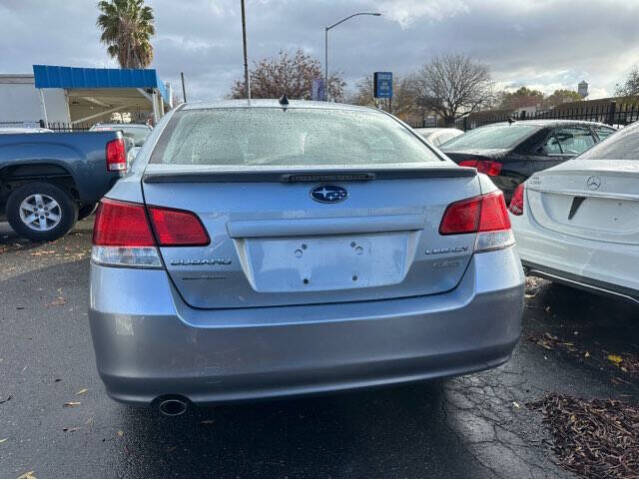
[[124, 237], [485, 215]]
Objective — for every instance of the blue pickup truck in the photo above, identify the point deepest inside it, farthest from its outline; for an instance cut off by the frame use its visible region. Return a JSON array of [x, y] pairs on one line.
[[50, 180]]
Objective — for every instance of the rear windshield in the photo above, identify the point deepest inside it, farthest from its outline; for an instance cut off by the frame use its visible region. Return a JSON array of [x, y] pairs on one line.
[[622, 145], [292, 137], [501, 136]]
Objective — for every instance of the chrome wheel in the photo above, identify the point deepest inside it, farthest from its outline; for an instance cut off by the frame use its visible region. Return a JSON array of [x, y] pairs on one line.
[[40, 212]]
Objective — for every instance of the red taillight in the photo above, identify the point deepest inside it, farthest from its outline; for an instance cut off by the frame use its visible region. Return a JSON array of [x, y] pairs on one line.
[[486, 213], [121, 224], [489, 167], [517, 201], [494, 214], [177, 227], [116, 156], [461, 217]]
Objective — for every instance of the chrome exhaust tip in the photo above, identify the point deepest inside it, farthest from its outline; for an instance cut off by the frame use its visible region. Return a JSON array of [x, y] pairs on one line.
[[173, 407]]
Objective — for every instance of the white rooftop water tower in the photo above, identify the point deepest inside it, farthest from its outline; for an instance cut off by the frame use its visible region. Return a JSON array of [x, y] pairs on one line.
[[582, 89]]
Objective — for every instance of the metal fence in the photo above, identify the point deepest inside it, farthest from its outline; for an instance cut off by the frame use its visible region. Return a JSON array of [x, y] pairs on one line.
[[612, 113], [55, 126], [68, 127], [20, 124]]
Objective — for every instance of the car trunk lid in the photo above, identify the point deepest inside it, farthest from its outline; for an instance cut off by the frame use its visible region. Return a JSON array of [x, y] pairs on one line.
[[591, 199], [476, 154], [273, 243]]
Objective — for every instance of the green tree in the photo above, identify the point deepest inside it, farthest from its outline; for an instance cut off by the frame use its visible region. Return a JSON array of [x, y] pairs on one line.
[[523, 97], [287, 74], [562, 96], [127, 27]]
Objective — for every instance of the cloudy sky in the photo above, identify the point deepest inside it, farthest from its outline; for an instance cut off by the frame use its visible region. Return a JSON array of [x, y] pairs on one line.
[[544, 44]]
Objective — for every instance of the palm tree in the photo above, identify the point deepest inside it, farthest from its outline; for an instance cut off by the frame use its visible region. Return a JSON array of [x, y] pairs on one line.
[[127, 28]]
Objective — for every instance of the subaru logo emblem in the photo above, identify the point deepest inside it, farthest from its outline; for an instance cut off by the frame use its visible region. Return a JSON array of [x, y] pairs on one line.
[[593, 183], [329, 194]]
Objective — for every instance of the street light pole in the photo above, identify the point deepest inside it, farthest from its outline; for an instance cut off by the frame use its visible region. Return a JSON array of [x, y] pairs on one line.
[[326, 29], [183, 87], [325, 64], [247, 85]]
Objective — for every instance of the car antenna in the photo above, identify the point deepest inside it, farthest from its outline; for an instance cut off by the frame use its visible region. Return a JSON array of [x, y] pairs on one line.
[[284, 101]]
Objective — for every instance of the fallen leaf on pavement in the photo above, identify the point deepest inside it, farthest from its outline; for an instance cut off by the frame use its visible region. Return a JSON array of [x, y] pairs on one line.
[[593, 438], [28, 475], [120, 433], [84, 390], [618, 380], [71, 404], [41, 252], [516, 405], [616, 359], [627, 362], [57, 302]]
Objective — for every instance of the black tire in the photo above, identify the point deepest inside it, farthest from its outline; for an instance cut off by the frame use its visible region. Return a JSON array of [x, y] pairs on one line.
[[85, 210], [67, 211]]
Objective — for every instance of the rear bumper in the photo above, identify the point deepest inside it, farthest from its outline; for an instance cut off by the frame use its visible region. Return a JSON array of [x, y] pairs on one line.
[[583, 283], [606, 268], [148, 343]]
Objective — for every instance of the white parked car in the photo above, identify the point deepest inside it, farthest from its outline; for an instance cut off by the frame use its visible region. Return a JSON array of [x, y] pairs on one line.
[[578, 223], [437, 136]]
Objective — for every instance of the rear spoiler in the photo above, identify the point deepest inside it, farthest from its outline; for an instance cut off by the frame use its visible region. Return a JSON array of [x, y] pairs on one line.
[[309, 176]]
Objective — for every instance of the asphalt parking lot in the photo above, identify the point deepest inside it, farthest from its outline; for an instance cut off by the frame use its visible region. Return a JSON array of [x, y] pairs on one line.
[[473, 426]]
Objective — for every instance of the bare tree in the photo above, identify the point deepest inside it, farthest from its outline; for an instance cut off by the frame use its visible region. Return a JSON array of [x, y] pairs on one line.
[[287, 74], [404, 102], [453, 85], [630, 86]]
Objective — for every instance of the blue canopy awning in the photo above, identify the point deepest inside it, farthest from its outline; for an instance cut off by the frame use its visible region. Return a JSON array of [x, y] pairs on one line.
[[52, 76]]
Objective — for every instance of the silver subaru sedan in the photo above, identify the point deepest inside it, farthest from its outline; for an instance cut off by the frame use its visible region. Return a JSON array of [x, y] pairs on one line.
[[278, 248]]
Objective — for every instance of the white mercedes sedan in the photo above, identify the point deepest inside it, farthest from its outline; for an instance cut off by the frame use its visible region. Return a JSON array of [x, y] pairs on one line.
[[578, 223]]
